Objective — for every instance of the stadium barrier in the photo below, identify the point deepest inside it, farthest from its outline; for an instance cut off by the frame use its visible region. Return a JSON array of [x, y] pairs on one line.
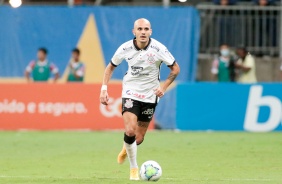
[[255, 27], [229, 106], [59, 107]]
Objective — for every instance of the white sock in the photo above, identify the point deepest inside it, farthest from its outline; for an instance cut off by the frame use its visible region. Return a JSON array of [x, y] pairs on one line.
[[131, 150]]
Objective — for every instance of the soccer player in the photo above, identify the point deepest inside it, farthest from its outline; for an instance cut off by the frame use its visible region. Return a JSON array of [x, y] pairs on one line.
[[141, 86], [41, 68], [76, 67]]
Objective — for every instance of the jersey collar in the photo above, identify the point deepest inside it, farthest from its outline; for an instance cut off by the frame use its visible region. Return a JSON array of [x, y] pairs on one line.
[[136, 46], [42, 63]]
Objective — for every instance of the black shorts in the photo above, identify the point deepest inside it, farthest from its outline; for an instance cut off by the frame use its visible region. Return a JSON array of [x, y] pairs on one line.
[[144, 111]]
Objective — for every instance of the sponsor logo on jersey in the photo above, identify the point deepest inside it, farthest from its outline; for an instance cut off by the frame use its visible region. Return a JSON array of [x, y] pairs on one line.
[[151, 58], [128, 103], [127, 48], [129, 58], [136, 70], [138, 95], [148, 111], [155, 47]]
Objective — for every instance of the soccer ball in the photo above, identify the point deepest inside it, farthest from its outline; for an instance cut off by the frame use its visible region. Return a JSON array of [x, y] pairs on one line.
[[150, 171]]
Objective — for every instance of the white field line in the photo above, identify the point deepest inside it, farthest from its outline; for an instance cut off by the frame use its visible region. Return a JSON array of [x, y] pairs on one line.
[[43, 177], [163, 178], [71, 177], [248, 179]]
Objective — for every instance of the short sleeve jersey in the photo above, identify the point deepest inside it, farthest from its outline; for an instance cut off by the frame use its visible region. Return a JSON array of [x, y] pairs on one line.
[[143, 74], [249, 76]]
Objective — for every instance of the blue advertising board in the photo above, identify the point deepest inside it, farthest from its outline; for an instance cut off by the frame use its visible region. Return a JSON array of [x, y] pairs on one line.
[[232, 107]]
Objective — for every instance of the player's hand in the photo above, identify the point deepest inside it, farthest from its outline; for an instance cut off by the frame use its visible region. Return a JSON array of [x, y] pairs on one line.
[[104, 97], [159, 92]]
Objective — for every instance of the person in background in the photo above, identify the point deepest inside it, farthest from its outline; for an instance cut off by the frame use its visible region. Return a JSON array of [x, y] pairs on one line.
[[246, 66], [225, 2], [41, 68], [223, 67], [266, 25], [225, 23], [76, 67], [264, 2]]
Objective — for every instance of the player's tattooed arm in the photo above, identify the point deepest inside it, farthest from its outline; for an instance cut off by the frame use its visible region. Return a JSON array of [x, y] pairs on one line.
[[172, 76], [174, 71]]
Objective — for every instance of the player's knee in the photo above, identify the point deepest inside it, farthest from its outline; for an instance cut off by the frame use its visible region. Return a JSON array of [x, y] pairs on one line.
[[130, 132], [139, 140]]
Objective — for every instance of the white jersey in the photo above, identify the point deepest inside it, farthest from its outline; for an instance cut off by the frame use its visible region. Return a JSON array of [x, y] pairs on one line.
[[143, 74]]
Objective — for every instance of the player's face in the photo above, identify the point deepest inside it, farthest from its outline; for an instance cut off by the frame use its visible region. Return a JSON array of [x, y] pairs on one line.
[[241, 53], [41, 55], [224, 51], [262, 2], [75, 56], [224, 2], [142, 31]]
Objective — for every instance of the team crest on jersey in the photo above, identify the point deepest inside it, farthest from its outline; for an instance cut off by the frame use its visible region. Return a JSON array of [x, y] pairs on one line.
[[41, 69], [151, 58], [128, 103]]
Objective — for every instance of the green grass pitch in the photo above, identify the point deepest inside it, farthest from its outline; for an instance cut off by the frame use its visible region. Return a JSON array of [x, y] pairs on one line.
[[186, 158]]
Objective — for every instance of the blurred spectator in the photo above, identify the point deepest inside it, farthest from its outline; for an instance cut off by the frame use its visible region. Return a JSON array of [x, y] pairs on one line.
[[223, 67], [41, 68], [264, 2], [246, 66], [225, 2], [76, 67], [266, 25], [225, 22]]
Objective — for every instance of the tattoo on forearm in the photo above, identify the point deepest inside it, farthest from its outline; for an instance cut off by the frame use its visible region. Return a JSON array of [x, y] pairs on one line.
[[143, 124], [172, 77]]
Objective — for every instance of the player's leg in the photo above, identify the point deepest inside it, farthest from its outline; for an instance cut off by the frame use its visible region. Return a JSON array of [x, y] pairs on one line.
[[144, 119], [130, 123], [141, 131], [123, 154], [130, 112], [140, 134], [128, 105]]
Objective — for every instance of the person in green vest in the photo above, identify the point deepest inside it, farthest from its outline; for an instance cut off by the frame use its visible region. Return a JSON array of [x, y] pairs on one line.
[[76, 67], [223, 67], [41, 69]]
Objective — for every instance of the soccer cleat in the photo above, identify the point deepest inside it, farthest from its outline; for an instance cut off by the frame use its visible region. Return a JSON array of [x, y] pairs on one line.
[[122, 155], [134, 174]]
